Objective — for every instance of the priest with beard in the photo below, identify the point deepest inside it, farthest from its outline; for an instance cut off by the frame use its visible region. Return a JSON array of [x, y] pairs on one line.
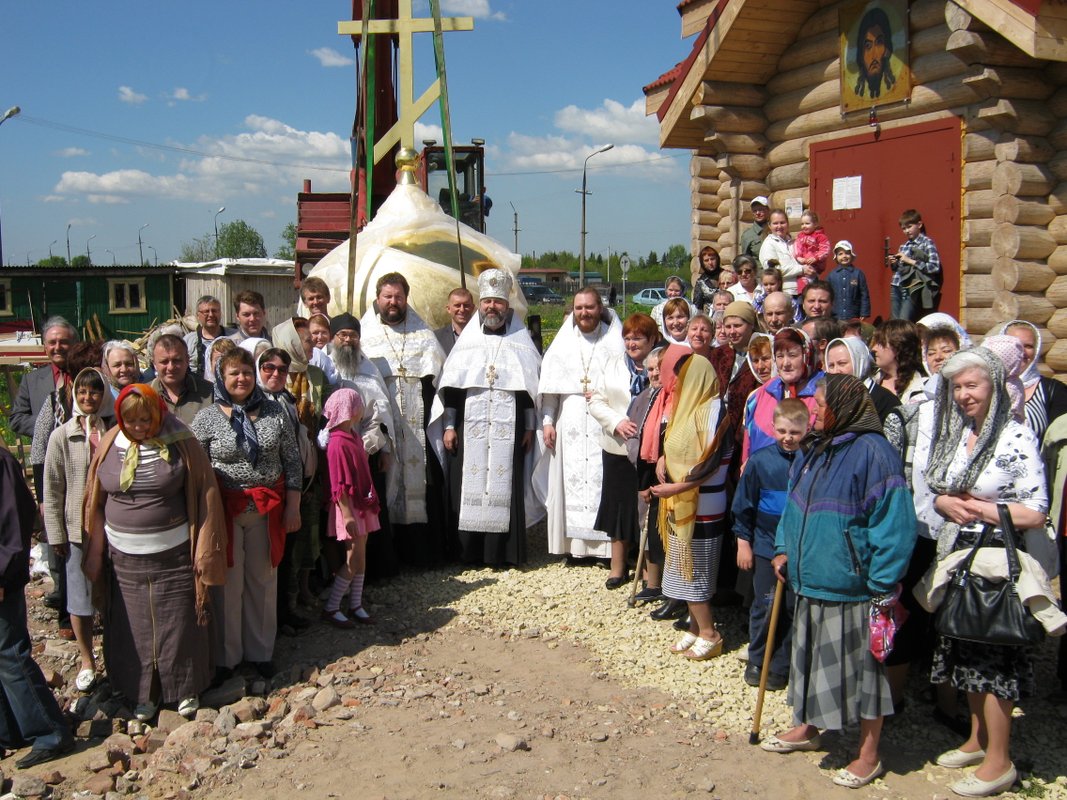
[[409, 358], [355, 371], [484, 415]]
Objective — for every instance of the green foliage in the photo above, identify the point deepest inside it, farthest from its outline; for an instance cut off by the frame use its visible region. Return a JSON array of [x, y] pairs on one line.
[[288, 250], [198, 250], [53, 261], [80, 261], [238, 239]]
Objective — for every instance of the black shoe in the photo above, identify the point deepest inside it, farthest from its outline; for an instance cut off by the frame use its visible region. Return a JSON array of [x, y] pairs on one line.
[[222, 674], [45, 754], [616, 581], [672, 609], [683, 623], [53, 600], [650, 594], [266, 669], [752, 673], [775, 683]]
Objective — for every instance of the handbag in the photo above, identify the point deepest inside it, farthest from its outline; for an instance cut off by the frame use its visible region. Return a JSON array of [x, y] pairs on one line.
[[977, 609]]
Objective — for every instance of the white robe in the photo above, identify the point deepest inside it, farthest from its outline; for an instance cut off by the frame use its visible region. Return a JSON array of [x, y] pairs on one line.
[[569, 478], [404, 354]]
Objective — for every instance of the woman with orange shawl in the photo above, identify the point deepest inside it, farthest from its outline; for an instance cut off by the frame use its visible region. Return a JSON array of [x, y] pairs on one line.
[[155, 539], [692, 501]]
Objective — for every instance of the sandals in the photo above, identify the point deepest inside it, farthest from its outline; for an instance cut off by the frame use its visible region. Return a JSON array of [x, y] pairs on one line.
[[86, 680], [852, 781], [772, 744], [704, 649], [684, 643]]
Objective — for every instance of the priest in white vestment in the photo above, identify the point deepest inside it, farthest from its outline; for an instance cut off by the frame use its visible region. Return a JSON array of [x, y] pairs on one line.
[[409, 359], [485, 414], [569, 475]]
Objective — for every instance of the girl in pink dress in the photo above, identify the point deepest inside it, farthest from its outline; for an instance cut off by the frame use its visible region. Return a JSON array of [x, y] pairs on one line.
[[810, 248], [353, 514]]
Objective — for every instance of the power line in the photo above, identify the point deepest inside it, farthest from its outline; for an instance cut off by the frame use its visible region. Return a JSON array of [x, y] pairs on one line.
[[110, 137]]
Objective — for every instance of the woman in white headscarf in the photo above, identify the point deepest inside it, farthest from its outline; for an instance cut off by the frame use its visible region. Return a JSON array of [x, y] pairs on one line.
[[850, 356], [1046, 398]]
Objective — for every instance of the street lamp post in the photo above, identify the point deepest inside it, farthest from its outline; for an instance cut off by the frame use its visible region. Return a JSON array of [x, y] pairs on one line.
[[11, 112], [50, 249], [140, 250], [68, 242], [89, 255], [217, 230], [583, 192], [113, 261], [154, 253]]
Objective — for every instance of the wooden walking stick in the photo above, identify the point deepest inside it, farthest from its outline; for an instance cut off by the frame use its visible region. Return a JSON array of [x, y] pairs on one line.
[[768, 651], [640, 565]]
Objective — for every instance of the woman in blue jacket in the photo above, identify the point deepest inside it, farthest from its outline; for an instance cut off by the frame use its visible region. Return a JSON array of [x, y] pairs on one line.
[[846, 535]]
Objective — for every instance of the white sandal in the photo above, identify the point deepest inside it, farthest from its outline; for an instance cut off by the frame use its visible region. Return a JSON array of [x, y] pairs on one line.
[[704, 649], [684, 643]]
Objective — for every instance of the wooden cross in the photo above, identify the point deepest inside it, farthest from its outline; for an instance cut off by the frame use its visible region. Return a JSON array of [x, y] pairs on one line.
[[403, 130]]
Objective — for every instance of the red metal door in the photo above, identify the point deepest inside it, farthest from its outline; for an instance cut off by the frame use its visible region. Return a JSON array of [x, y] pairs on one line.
[[918, 167]]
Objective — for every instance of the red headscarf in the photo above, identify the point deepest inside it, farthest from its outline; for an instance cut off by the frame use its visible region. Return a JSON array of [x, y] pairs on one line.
[[787, 337], [661, 406], [163, 429]]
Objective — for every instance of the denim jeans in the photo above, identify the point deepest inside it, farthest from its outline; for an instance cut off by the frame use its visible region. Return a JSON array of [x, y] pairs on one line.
[[904, 304], [759, 620], [28, 709]]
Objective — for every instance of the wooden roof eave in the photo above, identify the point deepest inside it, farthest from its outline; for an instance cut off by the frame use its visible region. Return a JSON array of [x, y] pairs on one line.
[[1042, 36], [716, 56]]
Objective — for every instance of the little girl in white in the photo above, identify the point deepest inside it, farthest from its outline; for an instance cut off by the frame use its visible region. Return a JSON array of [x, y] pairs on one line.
[[354, 512]]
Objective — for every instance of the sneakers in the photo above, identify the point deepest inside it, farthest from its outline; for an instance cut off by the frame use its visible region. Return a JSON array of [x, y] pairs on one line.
[[85, 681], [189, 706], [145, 711]]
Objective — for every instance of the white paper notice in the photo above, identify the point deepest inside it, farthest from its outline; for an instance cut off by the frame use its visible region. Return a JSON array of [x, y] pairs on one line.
[[847, 193], [794, 207]]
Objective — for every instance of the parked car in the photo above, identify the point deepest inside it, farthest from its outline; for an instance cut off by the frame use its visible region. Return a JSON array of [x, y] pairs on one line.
[[541, 295], [649, 297]]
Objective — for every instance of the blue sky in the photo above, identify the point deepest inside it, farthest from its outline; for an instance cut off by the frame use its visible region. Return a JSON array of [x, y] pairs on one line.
[[128, 106]]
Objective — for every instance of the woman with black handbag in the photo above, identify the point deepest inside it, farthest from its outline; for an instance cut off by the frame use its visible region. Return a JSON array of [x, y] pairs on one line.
[[982, 457]]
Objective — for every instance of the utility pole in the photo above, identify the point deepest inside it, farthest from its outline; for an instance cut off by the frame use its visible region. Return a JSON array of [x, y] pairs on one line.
[[516, 214]]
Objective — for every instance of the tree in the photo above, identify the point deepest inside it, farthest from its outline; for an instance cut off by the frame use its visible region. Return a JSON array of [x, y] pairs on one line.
[[52, 261], [238, 239], [653, 259], [676, 259], [80, 262], [198, 250], [288, 250]]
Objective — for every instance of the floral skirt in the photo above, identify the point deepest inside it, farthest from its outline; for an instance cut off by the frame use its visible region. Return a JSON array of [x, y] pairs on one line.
[[1005, 671]]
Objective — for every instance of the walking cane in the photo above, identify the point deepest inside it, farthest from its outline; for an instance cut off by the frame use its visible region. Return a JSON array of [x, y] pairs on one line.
[[768, 651], [640, 565]]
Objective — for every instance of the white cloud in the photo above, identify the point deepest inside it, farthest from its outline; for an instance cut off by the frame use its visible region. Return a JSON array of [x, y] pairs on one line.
[[282, 156], [611, 122], [76, 222], [52, 198], [128, 95], [72, 152], [182, 95], [479, 9], [328, 57], [424, 131]]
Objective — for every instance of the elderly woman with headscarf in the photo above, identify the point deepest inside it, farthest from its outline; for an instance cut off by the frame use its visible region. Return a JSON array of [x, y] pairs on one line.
[[119, 365], [850, 356], [845, 537], [155, 539], [942, 335], [1046, 398], [794, 359], [760, 358], [254, 452], [697, 449], [979, 457]]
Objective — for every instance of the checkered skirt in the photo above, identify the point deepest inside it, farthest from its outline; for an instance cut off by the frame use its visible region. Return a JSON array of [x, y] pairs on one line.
[[834, 681]]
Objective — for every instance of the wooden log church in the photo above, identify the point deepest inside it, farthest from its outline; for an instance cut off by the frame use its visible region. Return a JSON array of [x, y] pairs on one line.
[[860, 110]]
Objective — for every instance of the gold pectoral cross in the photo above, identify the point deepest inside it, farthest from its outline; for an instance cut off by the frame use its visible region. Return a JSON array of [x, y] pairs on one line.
[[490, 375], [585, 383]]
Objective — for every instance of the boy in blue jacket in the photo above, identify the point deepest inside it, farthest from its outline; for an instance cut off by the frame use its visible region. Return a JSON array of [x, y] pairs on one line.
[[758, 504]]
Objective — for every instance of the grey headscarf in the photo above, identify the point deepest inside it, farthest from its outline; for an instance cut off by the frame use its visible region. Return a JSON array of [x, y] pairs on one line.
[[951, 425], [861, 358]]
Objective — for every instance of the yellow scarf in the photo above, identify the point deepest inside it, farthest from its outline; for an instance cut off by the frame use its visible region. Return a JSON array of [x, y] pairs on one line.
[[685, 445]]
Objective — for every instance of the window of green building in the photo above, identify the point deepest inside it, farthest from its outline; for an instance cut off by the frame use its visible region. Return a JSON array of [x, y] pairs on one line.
[[5, 298], [127, 295]]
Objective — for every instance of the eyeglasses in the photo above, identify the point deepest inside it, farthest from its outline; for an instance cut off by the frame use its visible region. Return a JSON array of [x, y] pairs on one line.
[[270, 369], [346, 336], [745, 272]]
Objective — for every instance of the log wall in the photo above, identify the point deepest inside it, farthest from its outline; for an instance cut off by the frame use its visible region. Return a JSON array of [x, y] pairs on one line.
[[1014, 152]]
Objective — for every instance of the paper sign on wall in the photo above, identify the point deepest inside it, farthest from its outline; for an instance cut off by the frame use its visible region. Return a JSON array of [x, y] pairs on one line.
[[794, 207], [847, 193]]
